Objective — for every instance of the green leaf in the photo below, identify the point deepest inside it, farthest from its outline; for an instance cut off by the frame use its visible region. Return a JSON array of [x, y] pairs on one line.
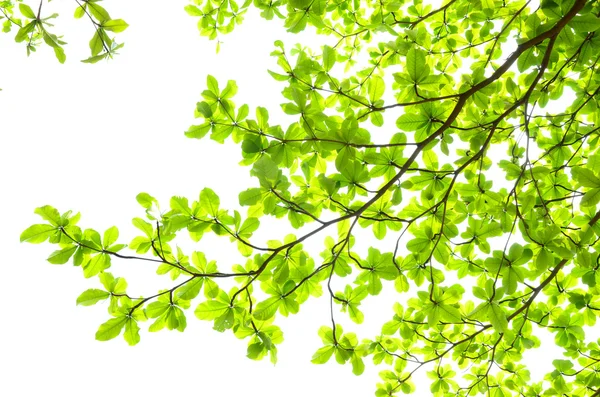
[[193, 10], [115, 25], [27, 11], [562, 365], [265, 169], [145, 200], [191, 289], [111, 329], [62, 256], [329, 57], [210, 310], [266, 309], [107, 280], [585, 177], [300, 4], [212, 84], [143, 226], [418, 244], [526, 60], [36, 234], [132, 332], [96, 43], [157, 309], [412, 122], [224, 321], [322, 355], [591, 198], [250, 196], [209, 201], [49, 214], [249, 226], [416, 65], [198, 131], [255, 351], [110, 236], [6, 27], [376, 88], [230, 90], [205, 109], [60, 54], [95, 265], [24, 31], [80, 11], [91, 297], [488, 4], [326, 334], [355, 314], [497, 317], [98, 11], [358, 366], [97, 58], [585, 23], [51, 40], [252, 144]]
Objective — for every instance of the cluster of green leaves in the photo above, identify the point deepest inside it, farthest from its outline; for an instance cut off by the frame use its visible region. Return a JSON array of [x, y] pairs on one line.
[[479, 266], [217, 16], [32, 28]]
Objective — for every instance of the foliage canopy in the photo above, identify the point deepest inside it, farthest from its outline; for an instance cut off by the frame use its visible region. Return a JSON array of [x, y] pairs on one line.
[[454, 143]]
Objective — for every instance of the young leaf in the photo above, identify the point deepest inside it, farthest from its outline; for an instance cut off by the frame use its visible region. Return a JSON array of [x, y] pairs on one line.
[[62, 256], [111, 329], [497, 317], [585, 177], [329, 57], [210, 310], [91, 297], [96, 43], [132, 332], [25, 31], [266, 309], [36, 234], [115, 25], [60, 54], [415, 64], [49, 214], [26, 11], [322, 355]]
